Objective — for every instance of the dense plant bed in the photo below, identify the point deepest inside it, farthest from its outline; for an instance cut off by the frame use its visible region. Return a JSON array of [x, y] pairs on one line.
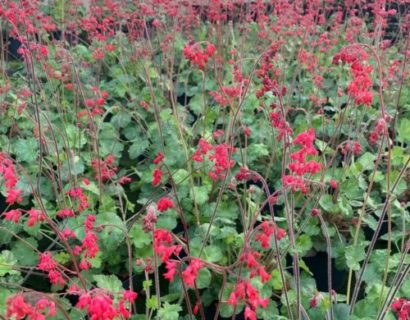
[[227, 159]]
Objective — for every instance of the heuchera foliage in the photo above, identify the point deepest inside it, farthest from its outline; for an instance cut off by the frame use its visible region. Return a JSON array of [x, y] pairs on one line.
[[215, 159]]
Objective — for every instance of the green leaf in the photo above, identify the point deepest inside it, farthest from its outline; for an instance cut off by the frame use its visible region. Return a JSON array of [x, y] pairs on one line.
[[139, 237], [326, 202], [169, 311], [7, 261], [367, 161], [213, 253], [340, 311], [404, 130], [276, 279], [113, 233], [26, 149], [226, 310], [25, 255], [204, 278], [110, 283], [303, 244], [201, 194], [121, 119], [137, 148], [4, 295], [355, 254], [167, 221]]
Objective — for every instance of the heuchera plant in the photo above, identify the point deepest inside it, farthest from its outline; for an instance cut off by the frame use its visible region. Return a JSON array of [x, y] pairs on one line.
[[222, 159]]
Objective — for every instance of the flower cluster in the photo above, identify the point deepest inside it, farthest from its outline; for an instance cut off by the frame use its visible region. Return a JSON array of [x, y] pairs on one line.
[[250, 259], [268, 229], [222, 161], [35, 216], [94, 105], [279, 122], [78, 194], [300, 166], [164, 248], [203, 148], [47, 264], [164, 204], [18, 308], [360, 88], [156, 176], [89, 247], [379, 130], [150, 219], [226, 95], [7, 170], [352, 146], [100, 305], [190, 274], [198, 56], [401, 307], [105, 169], [246, 293]]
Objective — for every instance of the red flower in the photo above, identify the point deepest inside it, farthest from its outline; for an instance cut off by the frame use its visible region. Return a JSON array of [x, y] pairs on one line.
[[250, 314], [157, 176], [77, 193], [13, 196], [190, 274], [65, 213], [48, 264], [164, 204], [18, 308], [130, 296], [160, 156], [333, 183], [13, 215], [124, 180], [171, 267], [34, 217]]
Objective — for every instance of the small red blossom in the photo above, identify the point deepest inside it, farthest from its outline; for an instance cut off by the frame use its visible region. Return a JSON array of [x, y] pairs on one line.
[[104, 169], [333, 183], [47, 263], [171, 267], [124, 180], [65, 213], [163, 246], [197, 56], [35, 216], [156, 177], [150, 219], [78, 193], [160, 156], [13, 215], [190, 274], [164, 204]]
